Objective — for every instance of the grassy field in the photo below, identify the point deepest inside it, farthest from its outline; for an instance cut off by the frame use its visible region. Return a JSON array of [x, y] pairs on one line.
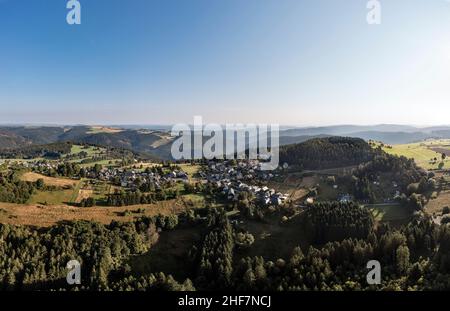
[[197, 200], [90, 150], [141, 166], [423, 152], [111, 162], [52, 197], [67, 192], [191, 170], [389, 212]]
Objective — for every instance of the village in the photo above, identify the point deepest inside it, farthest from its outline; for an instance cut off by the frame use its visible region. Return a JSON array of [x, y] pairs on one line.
[[230, 178], [233, 178]]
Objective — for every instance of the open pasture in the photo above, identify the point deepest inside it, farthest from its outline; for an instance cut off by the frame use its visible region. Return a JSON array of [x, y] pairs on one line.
[[423, 152]]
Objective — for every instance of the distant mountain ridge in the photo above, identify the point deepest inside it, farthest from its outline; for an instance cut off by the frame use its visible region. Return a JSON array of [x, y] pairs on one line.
[[151, 142], [156, 140], [388, 133]]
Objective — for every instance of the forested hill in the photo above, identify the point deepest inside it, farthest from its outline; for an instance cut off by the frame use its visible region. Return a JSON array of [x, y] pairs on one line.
[[19, 136], [138, 141], [150, 142], [328, 152], [54, 150], [158, 142]]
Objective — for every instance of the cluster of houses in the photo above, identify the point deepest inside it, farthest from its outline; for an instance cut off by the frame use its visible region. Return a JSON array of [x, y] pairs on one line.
[[129, 178], [41, 165], [262, 195], [230, 176], [121, 176], [244, 170]]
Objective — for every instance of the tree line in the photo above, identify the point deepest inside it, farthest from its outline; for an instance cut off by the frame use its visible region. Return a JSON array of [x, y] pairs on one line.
[[14, 190], [53, 151]]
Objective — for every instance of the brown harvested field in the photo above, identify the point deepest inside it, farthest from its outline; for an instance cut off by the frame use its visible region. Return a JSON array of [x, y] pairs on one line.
[[50, 181], [103, 129], [436, 205], [45, 216]]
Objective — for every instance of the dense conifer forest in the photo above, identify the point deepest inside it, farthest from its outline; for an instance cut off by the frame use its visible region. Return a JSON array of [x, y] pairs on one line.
[[329, 152], [414, 257]]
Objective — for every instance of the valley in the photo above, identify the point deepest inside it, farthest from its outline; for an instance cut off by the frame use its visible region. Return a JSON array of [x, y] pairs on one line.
[[184, 217], [155, 141]]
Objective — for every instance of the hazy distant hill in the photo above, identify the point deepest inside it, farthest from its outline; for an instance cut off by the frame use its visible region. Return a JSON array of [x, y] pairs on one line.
[[158, 142], [444, 133], [388, 133], [392, 137], [347, 129], [289, 140], [34, 135], [129, 139], [11, 140], [152, 142]]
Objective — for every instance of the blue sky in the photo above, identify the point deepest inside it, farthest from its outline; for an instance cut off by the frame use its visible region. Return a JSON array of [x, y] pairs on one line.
[[310, 62]]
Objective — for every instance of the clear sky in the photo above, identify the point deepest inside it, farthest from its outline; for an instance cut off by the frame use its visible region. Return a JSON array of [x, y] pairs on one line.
[[297, 62]]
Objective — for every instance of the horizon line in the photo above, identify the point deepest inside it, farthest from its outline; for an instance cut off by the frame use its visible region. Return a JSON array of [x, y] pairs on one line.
[[50, 124]]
